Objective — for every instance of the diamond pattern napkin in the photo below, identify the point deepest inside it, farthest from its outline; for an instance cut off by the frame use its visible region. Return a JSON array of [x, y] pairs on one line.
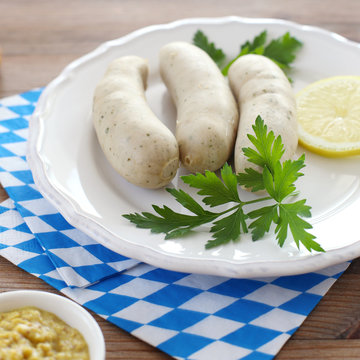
[[188, 316]]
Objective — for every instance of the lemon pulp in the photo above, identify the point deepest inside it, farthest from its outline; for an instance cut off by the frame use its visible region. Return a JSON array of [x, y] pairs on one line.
[[328, 114]]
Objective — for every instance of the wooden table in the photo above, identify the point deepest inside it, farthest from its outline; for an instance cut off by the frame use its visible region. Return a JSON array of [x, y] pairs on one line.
[[38, 38]]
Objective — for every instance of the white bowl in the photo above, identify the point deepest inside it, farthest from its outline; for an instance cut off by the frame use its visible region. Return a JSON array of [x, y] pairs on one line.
[[67, 310]]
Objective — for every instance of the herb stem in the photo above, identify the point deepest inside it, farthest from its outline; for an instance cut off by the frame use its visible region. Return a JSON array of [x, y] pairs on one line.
[[257, 200], [230, 209], [243, 203]]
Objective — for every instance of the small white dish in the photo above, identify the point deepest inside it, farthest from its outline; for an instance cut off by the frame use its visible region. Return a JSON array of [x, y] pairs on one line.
[[71, 171], [67, 310]]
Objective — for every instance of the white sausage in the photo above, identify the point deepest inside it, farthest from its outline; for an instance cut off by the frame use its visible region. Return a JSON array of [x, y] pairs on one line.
[[136, 143], [207, 115], [262, 88]]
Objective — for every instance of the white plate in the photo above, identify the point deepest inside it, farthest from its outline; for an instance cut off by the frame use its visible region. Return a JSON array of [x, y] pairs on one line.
[[71, 171]]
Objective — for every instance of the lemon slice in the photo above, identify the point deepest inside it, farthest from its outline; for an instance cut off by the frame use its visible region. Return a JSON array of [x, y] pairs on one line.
[[328, 113]]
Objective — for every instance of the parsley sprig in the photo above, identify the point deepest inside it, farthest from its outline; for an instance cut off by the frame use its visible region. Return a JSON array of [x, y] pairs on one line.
[[275, 177], [281, 50], [201, 41]]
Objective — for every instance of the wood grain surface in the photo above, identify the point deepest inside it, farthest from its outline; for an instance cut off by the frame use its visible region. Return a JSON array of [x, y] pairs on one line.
[[38, 38]]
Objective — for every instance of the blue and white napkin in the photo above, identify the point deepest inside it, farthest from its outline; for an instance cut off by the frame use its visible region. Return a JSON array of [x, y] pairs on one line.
[[188, 316]]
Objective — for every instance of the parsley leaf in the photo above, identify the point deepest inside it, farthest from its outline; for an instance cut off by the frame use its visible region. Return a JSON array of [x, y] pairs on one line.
[[219, 192], [201, 41], [254, 47], [284, 176], [257, 45], [171, 223], [276, 177], [251, 179], [187, 201], [281, 50], [228, 229], [268, 150], [264, 218], [290, 217], [278, 180]]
